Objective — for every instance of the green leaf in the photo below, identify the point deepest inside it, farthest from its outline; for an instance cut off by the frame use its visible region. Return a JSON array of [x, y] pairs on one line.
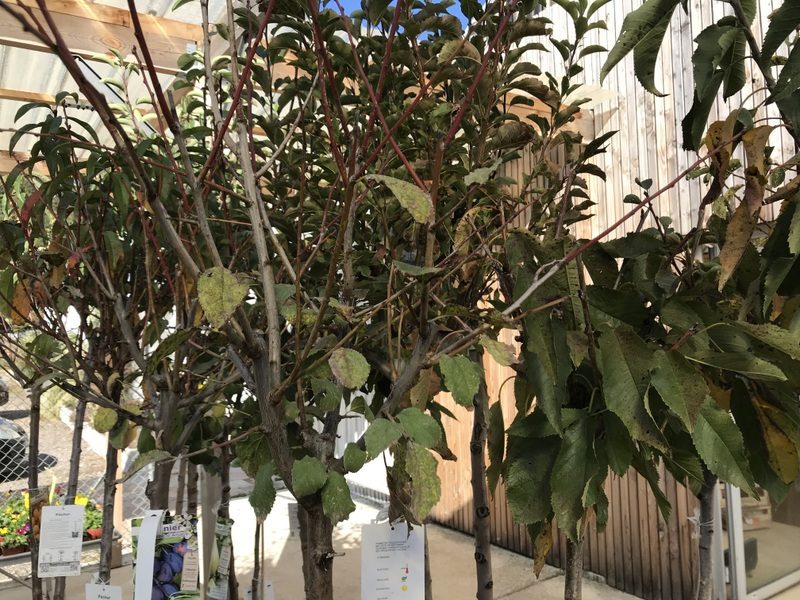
[[104, 420], [416, 201], [337, 504], [574, 467], [167, 347], [719, 443], [423, 273], [495, 439], [457, 48], [482, 174], [502, 353], [645, 54], [680, 385], [739, 362], [354, 458], [782, 23], [329, 394], [420, 465], [462, 377], [145, 459], [578, 344], [774, 336], [420, 427], [220, 294], [349, 367], [530, 466], [262, 497], [308, 476], [381, 434], [635, 32], [619, 446], [624, 361]]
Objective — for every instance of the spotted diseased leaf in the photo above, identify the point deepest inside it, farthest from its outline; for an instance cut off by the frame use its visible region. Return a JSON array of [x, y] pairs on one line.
[[416, 201], [420, 465], [262, 497], [426, 388], [145, 459], [349, 367], [20, 304], [741, 227], [462, 377], [774, 336], [308, 476], [458, 48], [781, 450], [104, 420], [495, 441], [337, 504], [353, 458], [719, 443], [528, 476], [502, 353], [220, 293], [680, 385], [574, 467], [381, 434], [420, 427], [422, 273]]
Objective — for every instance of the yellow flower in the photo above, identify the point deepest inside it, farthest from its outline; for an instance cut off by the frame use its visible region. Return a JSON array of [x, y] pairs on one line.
[[81, 500], [3, 530]]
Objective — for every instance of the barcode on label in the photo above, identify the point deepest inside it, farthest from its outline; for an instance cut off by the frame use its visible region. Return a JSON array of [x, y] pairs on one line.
[[46, 567]]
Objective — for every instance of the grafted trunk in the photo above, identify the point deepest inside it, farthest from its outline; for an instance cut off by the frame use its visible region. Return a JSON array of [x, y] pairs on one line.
[[192, 477], [33, 485], [705, 588], [109, 495], [573, 571], [180, 492], [480, 499], [158, 486], [316, 539]]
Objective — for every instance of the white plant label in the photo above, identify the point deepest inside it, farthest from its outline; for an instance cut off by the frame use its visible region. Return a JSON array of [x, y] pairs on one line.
[[392, 562], [60, 541], [103, 592], [145, 556]]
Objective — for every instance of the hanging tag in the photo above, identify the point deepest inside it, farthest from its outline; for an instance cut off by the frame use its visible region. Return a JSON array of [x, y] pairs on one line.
[[103, 592], [392, 562], [60, 541], [145, 536]]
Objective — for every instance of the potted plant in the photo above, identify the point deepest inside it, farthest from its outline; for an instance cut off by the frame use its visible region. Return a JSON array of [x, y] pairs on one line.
[[14, 527], [93, 521]]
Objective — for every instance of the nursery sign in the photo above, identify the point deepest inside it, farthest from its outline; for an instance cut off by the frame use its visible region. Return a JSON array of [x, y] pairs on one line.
[[392, 562], [60, 541]]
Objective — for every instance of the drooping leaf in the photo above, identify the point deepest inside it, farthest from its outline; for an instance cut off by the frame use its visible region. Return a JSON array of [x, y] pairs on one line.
[[420, 427], [349, 367], [420, 465], [308, 476], [619, 446], [782, 23], [220, 293], [381, 434], [337, 504], [624, 361], [739, 362], [462, 377], [167, 347], [145, 459], [741, 227], [354, 458], [635, 32], [416, 201], [104, 419], [781, 449], [719, 443], [541, 535], [262, 497], [680, 385], [528, 475], [495, 439], [501, 352], [574, 467]]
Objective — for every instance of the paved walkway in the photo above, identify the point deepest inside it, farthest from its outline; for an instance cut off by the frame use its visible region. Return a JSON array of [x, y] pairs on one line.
[[452, 564]]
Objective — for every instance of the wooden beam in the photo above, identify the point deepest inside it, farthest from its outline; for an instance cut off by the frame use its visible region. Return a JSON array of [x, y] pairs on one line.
[[92, 29], [31, 96]]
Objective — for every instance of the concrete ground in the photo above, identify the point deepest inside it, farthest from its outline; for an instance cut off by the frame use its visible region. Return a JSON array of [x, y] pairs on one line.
[[452, 564]]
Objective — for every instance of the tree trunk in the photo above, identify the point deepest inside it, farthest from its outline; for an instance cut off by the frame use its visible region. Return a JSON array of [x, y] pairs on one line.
[[192, 477], [33, 485], [180, 492], [428, 578], [573, 571], [72, 478], [255, 584], [705, 588], [316, 539], [109, 495], [480, 498], [158, 487], [224, 512]]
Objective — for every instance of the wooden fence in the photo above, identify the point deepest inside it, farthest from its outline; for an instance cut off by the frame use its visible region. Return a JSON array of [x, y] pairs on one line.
[[638, 552]]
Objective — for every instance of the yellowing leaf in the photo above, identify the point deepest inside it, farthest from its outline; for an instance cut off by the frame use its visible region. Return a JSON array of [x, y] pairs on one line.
[[220, 294], [755, 142], [741, 227], [21, 304], [416, 201], [421, 468], [104, 420], [455, 48], [349, 367], [781, 451], [502, 353], [426, 388]]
